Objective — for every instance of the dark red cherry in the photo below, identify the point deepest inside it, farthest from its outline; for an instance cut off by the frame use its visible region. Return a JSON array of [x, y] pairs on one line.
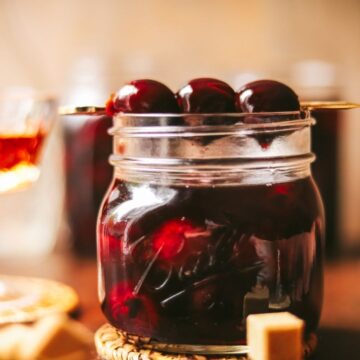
[[127, 305], [123, 302], [266, 96], [169, 240], [206, 95], [203, 298], [112, 239], [109, 106], [142, 96]]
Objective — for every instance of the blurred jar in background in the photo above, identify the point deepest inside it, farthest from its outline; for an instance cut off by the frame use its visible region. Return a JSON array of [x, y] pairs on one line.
[[87, 147], [87, 176], [317, 80]]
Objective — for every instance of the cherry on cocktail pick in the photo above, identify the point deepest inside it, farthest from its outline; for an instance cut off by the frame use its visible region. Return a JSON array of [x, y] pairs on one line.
[[266, 96], [206, 95], [142, 96]]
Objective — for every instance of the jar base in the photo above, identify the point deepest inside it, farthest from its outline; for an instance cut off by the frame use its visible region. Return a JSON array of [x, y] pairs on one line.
[[190, 349], [112, 343]]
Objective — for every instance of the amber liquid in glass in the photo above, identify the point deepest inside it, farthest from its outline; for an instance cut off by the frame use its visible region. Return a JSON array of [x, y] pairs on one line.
[[19, 156]]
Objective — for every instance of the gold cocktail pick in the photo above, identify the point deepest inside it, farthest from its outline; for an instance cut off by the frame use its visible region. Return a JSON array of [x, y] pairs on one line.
[[305, 105], [81, 110], [328, 105]]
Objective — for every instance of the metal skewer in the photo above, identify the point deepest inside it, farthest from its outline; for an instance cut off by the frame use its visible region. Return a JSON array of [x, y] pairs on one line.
[[331, 105], [305, 105], [81, 110]]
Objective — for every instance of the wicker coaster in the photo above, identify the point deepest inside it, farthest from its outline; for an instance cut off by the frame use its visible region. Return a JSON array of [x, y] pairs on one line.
[[113, 344], [25, 299]]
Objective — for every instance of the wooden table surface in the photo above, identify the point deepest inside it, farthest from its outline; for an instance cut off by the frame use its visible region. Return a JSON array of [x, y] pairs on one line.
[[339, 333]]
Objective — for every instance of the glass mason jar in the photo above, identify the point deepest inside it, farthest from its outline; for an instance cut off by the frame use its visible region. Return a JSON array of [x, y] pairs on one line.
[[209, 218]]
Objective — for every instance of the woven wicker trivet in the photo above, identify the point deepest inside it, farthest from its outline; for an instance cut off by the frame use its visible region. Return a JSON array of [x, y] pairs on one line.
[[113, 344]]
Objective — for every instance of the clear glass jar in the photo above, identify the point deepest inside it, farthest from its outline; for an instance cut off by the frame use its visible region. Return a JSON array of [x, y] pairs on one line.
[[209, 218]]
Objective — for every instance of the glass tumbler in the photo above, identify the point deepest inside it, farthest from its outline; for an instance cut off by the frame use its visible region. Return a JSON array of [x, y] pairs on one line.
[[31, 195], [209, 218], [25, 120]]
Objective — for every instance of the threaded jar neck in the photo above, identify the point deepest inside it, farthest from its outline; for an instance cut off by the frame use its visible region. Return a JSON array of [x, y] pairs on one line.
[[212, 149]]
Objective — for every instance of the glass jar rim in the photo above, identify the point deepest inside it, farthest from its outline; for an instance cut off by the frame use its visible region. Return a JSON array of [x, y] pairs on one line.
[[225, 114], [188, 147], [125, 123]]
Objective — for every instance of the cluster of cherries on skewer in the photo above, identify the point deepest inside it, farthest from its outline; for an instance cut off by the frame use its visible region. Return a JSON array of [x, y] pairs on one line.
[[202, 95]]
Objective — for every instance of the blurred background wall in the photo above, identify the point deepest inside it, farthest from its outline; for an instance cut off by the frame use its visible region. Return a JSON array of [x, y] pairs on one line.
[[47, 43]]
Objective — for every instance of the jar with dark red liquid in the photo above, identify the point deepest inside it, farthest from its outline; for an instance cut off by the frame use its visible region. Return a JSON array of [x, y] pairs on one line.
[[88, 173], [209, 218]]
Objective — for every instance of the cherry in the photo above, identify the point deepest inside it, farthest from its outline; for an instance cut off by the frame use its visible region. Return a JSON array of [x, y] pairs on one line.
[[203, 298], [127, 305], [285, 189], [206, 95], [112, 235], [142, 96], [111, 247], [123, 301], [266, 96], [170, 238], [109, 106]]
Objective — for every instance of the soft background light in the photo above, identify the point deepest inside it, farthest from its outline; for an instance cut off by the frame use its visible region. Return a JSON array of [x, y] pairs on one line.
[[42, 42]]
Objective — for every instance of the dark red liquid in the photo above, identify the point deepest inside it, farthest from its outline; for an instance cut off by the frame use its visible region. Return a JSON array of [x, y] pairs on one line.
[[187, 265], [88, 173], [325, 143]]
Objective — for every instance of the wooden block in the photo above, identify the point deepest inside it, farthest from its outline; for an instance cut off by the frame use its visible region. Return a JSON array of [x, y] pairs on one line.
[[11, 337], [275, 336], [56, 337]]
